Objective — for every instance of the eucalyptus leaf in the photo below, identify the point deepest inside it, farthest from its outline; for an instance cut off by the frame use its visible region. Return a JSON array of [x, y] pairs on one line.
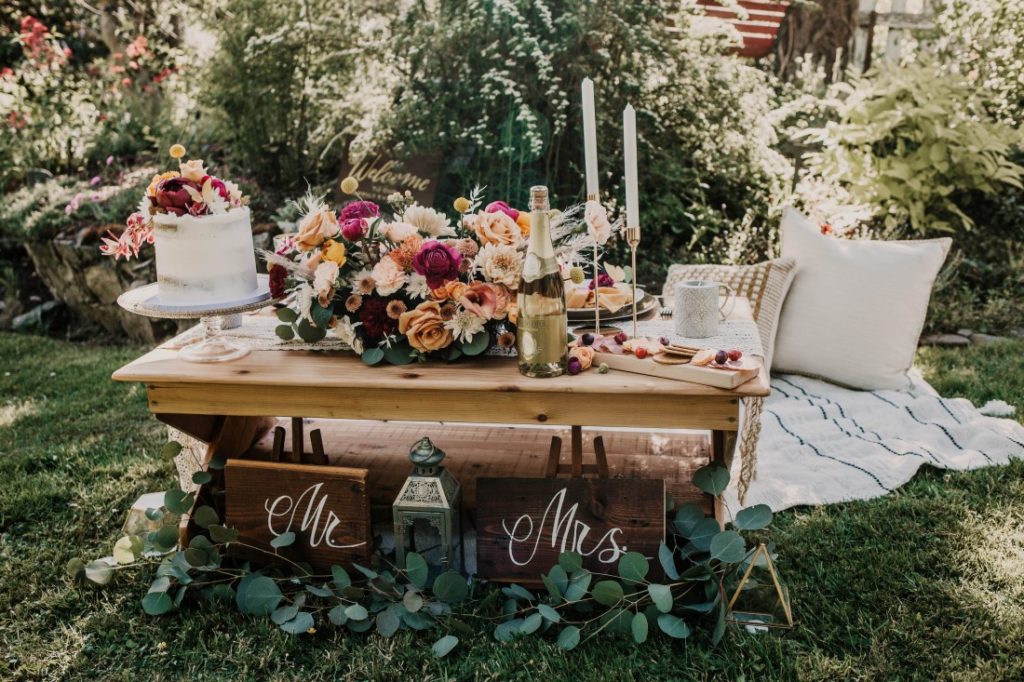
[[302, 622], [75, 568], [531, 624], [357, 612], [719, 631], [518, 592], [285, 332], [217, 462], [548, 613], [177, 501], [157, 603], [570, 561], [607, 592], [703, 534], [412, 601], [166, 538], [450, 587], [668, 562], [283, 614], [322, 592], [638, 626], [478, 344], [368, 572], [559, 577], [661, 595], [728, 547], [359, 625], [202, 477], [170, 449], [399, 353], [702, 607], [633, 567], [308, 332], [127, 549], [283, 540], [507, 631], [753, 518], [337, 615], [416, 568], [687, 517], [99, 572], [569, 638], [261, 597], [673, 626], [444, 646], [552, 589], [205, 516], [388, 623], [285, 314], [579, 583], [712, 479], [417, 620], [372, 356], [223, 534], [341, 577]]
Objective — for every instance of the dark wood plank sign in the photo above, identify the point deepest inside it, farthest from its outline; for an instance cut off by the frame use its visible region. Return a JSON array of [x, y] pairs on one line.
[[381, 174], [523, 524], [328, 509]]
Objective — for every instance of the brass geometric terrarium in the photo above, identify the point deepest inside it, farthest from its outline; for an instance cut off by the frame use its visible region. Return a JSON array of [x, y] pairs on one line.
[[430, 494], [763, 604]]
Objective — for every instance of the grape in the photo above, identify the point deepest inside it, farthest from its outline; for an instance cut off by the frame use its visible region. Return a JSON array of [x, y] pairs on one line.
[[621, 338], [587, 339], [574, 366], [735, 354], [641, 353], [664, 341], [721, 357]]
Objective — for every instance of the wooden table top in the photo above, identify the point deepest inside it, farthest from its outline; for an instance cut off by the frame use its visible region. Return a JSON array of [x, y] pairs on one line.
[[341, 370]]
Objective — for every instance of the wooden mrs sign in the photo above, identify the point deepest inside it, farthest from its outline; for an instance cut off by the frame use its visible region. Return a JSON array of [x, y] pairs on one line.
[[328, 509], [523, 524]]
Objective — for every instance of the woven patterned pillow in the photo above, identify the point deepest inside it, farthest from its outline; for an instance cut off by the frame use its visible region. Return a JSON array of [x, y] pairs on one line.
[[765, 285]]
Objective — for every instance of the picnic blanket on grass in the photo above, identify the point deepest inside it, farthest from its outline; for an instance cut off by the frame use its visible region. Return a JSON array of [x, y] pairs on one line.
[[822, 444]]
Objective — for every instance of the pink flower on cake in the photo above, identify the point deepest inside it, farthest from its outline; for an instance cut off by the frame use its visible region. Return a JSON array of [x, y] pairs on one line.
[[438, 262], [596, 218], [172, 195], [193, 170], [388, 276], [480, 299]]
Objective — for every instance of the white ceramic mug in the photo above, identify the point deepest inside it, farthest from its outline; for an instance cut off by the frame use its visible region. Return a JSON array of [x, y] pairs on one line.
[[697, 310]]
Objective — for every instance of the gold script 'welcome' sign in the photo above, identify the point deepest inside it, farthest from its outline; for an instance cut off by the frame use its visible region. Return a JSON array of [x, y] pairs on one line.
[[328, 509], [380, 175], [523, 524]]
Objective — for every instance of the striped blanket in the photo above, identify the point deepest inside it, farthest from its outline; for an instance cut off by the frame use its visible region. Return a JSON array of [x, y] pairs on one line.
[[821, 443]]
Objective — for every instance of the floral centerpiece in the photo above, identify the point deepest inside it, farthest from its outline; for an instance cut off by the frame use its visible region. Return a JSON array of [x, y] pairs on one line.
[[188, 190], [405, 284]]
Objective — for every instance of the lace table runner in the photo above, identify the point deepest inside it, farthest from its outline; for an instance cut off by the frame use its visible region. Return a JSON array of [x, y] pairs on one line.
[[740, 334]]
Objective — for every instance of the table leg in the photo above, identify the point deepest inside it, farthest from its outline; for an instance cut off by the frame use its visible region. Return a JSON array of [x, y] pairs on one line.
[[723, 444]]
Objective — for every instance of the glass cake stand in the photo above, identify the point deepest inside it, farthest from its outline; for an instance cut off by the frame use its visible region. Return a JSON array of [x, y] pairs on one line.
[[145, 301]]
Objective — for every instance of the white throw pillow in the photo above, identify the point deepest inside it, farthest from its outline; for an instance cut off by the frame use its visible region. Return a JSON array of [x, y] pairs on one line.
[[856, 308]]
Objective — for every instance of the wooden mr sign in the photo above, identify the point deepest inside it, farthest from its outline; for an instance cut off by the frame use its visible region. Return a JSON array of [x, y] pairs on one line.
[[523, 524], [327, 508]]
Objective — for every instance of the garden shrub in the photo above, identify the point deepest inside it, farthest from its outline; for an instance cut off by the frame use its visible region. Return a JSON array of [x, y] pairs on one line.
[[493, 88]]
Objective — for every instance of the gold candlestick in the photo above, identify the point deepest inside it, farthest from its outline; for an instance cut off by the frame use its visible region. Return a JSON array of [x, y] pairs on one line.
[[633, 239], [597, 299]]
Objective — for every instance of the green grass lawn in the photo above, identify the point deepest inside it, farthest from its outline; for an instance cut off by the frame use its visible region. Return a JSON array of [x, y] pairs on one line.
[[927, 583]]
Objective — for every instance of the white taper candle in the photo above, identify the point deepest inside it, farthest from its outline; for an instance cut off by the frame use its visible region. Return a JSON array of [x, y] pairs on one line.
[[629, 153], [590, 137]]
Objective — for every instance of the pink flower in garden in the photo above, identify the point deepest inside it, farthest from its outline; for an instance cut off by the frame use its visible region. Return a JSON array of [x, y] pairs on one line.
[[360, 209], [95, 180], [437, 262], [354, 229], [502, 207], [110, 159]]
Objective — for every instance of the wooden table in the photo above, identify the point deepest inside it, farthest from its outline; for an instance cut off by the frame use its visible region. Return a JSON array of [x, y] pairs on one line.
[[228, 404]]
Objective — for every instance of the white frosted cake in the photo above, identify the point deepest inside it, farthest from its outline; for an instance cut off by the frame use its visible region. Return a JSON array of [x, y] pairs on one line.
[[205, 260]]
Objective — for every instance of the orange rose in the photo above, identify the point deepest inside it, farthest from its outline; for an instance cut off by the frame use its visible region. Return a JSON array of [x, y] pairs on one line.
[[523, 221], [315, 228], [424, 327], [505, 299], [451, 291], [497, 228]]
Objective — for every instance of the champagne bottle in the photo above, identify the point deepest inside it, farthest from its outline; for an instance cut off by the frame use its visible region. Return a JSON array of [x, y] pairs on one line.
[[542, 323]]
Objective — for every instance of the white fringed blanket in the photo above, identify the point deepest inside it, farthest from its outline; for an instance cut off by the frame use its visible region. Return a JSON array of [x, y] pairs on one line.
[[821, 443]]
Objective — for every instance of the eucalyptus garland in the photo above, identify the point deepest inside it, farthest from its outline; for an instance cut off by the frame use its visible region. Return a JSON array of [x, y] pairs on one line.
[[699, 567]]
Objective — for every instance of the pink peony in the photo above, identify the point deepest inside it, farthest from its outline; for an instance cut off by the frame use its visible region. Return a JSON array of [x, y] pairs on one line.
[[502, 207], [360, 209], [172, 196], [354, 229], [437, 262], [480, 299]]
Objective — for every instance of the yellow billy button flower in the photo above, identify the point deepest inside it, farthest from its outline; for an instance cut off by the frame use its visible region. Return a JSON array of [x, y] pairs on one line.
[[177, 151], [349, 185], [334, 252], [461, 204]]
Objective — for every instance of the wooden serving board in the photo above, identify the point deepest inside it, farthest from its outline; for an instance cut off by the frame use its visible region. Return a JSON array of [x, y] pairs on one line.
[[719, 378]]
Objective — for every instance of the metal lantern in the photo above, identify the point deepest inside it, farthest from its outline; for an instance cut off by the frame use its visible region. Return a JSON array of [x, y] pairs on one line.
[[430, 493]]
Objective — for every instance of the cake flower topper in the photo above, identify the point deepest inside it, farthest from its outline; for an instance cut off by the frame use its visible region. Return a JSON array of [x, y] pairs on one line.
[[190, 190]]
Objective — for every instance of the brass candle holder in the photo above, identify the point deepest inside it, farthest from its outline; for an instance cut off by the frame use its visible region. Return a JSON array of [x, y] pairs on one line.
[[597, 282], [633, 239]]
